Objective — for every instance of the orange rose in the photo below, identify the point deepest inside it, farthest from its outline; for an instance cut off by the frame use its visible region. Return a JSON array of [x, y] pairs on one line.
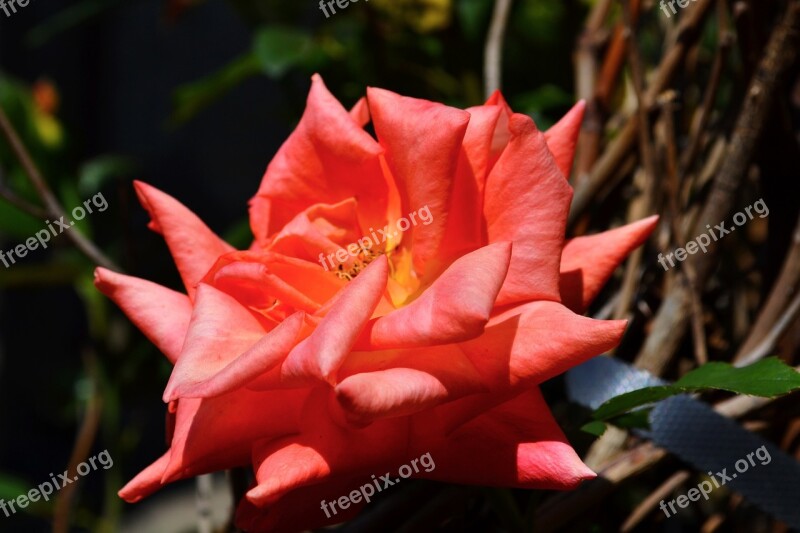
[[430, 340]]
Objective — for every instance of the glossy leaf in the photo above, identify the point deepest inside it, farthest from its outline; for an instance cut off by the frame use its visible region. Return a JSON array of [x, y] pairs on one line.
[[768, 378]]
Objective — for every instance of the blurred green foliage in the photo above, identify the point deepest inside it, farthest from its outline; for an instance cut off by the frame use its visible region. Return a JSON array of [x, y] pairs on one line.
[[426, 48]]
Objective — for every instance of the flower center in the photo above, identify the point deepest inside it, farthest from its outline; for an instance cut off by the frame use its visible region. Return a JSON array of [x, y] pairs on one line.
[[363, 259]]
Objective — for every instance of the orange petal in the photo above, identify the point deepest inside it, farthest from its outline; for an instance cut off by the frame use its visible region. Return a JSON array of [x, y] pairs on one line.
[[454, 308], [282, 466], [293, 511], [161, 314], [498, 99], [265, 355], [527, 202], [193, 246], [588, 262], [465, 223], [517, 444], [320, 355], [319, 230], [146, 482], [324, 450], [360, 112], [378, 385], [218, 433], [501, 133], [257, 279], [255, 286], [562, 138], [220, 330], [543, 341], [422, 140], [327, 159]]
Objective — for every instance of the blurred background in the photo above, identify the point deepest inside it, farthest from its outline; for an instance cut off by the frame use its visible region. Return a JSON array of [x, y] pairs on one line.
[[195, 97]]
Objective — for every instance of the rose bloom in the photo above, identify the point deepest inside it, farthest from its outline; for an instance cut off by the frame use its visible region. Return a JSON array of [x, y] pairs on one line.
[[434, 341]]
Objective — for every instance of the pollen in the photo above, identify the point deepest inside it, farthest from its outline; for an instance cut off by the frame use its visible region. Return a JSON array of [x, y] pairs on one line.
[[363, 259]]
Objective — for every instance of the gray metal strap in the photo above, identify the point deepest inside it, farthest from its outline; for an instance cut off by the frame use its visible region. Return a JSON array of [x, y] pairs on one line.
[[698, 435]]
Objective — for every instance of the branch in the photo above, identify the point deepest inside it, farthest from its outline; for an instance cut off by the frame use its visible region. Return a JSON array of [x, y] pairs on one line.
[[671, 320], [615, 155], [787, 286], [493, 53], [51, 203], [82, 448], [23, 205]]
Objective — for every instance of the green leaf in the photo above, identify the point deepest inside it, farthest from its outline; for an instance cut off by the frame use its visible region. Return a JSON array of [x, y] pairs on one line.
[[70, 17], [473, 16], [51, 273], [627, 402], [279, 48], [541, 101], [191, 98], [639, 419], [11, 487], [94, 174], [17, 224], [596, 428], [239, 235], [768, 378]]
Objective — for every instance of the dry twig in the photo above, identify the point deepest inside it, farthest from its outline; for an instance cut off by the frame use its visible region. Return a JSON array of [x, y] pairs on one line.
[[493, 53], [51, 203]]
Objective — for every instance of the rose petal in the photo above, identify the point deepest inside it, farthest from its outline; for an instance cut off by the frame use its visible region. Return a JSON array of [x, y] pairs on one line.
[[422, 140], [218, 433], [220, 330], [193, 246], [360, 112], [162, 314], [327, 159], [499, 100], [293, 508], [562, 138], [324, 450], [517, 444], [527, 202], [321, 229], [588, 262], [465, 230], [257, 279], [454, 308], [265, 355], [501, 133], [146, 482], [320, 355], [543, 341], [402, 382]]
